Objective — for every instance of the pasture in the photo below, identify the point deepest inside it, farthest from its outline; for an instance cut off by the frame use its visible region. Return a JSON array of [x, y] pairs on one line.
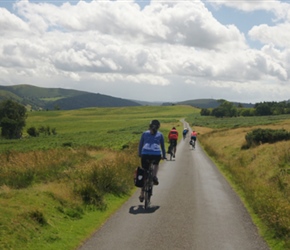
[[55, 190], [111, 128]]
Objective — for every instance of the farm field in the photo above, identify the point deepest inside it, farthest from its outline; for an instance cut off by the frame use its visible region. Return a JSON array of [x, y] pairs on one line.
[[96, 127], [56, 189]]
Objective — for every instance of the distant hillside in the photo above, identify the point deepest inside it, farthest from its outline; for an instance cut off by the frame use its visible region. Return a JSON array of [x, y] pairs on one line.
[[90, 100], [37, 98], [210, 103]]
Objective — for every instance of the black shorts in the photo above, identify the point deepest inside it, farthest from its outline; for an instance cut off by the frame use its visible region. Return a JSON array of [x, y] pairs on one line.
[[147, 159], [193, 138], [173, 142]]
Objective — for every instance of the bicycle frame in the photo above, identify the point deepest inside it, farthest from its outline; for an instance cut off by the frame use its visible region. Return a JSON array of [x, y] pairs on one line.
[[192, 143], [148, 185]]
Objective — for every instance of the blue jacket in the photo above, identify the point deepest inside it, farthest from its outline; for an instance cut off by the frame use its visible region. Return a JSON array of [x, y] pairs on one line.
[[152, 144]]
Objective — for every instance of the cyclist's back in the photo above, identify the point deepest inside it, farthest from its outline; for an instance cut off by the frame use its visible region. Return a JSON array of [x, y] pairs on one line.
[[184, 132]]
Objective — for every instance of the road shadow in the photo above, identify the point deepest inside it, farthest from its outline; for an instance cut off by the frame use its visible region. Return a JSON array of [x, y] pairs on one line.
[[141, 210]]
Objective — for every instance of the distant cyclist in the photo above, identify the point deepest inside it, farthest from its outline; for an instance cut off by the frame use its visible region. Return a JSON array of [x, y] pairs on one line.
[[173, 137], [151, 148], [193, 136], [184, 132]]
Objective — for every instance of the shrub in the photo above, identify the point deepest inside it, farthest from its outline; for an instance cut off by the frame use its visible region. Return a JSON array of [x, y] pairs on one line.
[[260, 136], [91, 195], [38, 217], [32, 131], [19, 180]]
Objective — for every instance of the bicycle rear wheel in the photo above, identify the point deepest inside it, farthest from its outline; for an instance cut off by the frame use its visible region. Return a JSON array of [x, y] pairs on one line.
[[148, 188], [147, 199]]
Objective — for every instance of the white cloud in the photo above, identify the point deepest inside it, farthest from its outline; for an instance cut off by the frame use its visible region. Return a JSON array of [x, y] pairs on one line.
[[274, 6], [10, 23], [278, 35], [166, 46]]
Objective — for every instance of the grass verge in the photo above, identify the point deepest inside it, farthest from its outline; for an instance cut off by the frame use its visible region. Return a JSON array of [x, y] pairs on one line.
[[259, 175]]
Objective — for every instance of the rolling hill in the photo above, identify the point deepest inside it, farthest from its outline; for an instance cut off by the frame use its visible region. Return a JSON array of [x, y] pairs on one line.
[[37, 98]]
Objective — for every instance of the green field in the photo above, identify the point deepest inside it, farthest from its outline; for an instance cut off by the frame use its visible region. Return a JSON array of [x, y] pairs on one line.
[[55, 190], [96, 127]]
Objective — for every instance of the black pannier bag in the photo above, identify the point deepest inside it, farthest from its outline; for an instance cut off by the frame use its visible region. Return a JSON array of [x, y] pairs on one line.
[[139, 177]]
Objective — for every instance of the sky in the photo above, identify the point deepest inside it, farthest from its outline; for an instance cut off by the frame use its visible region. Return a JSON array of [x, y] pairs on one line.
[[167, 51]]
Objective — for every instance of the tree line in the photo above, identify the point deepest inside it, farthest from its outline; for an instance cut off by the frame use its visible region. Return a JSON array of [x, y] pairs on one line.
[[228, 109]]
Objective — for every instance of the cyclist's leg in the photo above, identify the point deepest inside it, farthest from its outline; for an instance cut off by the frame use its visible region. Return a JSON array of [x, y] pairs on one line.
[[175, 144], [156, 159], [171, 146]]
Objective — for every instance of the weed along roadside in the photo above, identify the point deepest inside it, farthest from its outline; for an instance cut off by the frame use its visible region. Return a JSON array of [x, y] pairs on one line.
[[63, 206], [259, 174], [56, 190]]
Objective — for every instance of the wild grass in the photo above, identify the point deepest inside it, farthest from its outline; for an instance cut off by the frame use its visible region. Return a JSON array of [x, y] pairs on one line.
[[234, 122], [55, 190], [64, 190], [260, 174]]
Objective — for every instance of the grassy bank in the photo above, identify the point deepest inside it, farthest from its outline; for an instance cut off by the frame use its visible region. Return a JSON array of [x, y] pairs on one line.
[[261, 175], [55, 205], [55, 190]]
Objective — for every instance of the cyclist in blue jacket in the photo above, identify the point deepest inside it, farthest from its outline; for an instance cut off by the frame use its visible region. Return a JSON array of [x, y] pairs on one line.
[[151, 148]]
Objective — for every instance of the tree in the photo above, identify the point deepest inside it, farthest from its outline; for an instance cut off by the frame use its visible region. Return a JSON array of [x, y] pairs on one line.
[[263, 109], [226, 109], [12, 119], [205, 112]]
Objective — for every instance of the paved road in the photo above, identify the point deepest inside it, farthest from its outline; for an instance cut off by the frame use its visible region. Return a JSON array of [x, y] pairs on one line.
[[193, 207]]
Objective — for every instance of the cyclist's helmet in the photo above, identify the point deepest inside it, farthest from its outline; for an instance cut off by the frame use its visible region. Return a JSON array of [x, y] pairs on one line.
[[173, 128], [154, 125]]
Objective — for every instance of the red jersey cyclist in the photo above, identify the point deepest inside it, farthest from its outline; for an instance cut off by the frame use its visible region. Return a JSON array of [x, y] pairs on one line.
[[173, 137], [193, 136]]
